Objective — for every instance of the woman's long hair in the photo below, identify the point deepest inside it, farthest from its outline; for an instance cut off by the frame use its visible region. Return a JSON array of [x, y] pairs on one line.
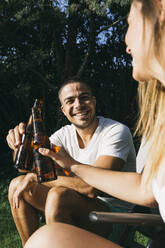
[[151, 123], [151, 96]]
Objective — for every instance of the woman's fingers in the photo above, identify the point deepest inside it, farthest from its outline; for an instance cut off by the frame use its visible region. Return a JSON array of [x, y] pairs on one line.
[[48, 153], [61, 157]]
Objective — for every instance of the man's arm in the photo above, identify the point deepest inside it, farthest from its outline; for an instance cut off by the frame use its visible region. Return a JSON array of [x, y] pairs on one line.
[[109, 162]]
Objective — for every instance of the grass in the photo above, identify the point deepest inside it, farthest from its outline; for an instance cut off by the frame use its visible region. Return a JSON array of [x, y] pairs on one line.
[[9, 237], [141, 239]]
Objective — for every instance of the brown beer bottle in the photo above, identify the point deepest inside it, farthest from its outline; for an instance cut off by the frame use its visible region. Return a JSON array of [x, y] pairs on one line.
[[24, 156], [44, 166]]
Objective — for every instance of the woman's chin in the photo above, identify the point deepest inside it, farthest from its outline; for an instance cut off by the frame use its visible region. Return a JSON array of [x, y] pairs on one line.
[[139, 76]]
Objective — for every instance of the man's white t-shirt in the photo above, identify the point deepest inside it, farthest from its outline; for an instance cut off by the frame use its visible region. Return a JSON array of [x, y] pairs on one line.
[[110, 138], [142, 155]]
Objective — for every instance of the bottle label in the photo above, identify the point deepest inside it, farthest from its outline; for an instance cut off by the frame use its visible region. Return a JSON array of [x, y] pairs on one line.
[[44, 167]]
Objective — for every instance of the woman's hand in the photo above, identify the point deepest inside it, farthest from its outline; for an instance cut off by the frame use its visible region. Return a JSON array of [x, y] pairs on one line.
[[24, 185], [62, 158]]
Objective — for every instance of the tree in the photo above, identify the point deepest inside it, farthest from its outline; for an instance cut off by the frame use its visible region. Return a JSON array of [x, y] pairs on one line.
[[45, 41]]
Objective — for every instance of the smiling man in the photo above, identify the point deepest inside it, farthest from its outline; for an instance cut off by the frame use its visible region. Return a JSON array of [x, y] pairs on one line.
[[78, 103], [90, 139]]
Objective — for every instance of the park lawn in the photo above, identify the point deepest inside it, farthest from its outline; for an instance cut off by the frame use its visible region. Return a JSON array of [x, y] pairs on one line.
[[9, 237]]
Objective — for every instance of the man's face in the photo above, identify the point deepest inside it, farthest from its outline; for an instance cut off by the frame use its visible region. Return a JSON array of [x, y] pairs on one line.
[[78, 104]]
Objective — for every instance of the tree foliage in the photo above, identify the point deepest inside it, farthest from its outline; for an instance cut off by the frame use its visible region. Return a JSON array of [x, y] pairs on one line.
[[44, 42]]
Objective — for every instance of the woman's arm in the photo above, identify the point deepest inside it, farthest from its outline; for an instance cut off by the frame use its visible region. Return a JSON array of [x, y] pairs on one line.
[[123, 185]]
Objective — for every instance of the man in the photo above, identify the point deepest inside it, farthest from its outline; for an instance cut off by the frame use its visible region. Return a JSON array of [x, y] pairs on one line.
[[89, 139]]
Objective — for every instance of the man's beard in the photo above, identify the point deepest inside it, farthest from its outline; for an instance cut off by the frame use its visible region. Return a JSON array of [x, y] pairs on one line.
[[85, 125]]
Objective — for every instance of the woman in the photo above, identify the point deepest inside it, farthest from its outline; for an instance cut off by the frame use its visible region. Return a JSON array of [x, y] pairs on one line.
[[145, 42]]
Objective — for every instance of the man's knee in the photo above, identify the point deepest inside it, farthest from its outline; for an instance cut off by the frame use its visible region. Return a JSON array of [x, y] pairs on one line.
[[59, 198], [58, 195], [57, 207], [13, 185]]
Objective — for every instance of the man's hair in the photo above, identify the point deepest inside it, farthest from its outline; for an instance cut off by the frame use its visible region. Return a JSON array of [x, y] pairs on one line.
[[73, 80]]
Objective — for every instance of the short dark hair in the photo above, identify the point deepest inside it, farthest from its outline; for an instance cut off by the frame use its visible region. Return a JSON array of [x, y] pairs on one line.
[[73, 80]]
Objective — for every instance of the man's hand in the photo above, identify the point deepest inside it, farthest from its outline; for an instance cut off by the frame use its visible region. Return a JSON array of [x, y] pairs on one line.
[[25, 185], [62, 158], [14, 136]]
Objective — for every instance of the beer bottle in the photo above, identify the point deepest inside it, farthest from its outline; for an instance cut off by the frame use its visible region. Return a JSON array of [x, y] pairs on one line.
[[24, 156], [44, 165], [59, 169]]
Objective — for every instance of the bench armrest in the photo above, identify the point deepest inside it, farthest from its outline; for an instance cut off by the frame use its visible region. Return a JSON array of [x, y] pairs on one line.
[[127, 218]]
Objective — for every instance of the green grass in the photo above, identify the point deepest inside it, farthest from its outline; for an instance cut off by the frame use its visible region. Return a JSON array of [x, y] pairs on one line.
[[9, 237], [141, 239]]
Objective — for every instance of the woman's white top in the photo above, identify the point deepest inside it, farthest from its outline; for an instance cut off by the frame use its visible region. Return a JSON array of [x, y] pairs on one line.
[[158, 191], [159, 194]]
